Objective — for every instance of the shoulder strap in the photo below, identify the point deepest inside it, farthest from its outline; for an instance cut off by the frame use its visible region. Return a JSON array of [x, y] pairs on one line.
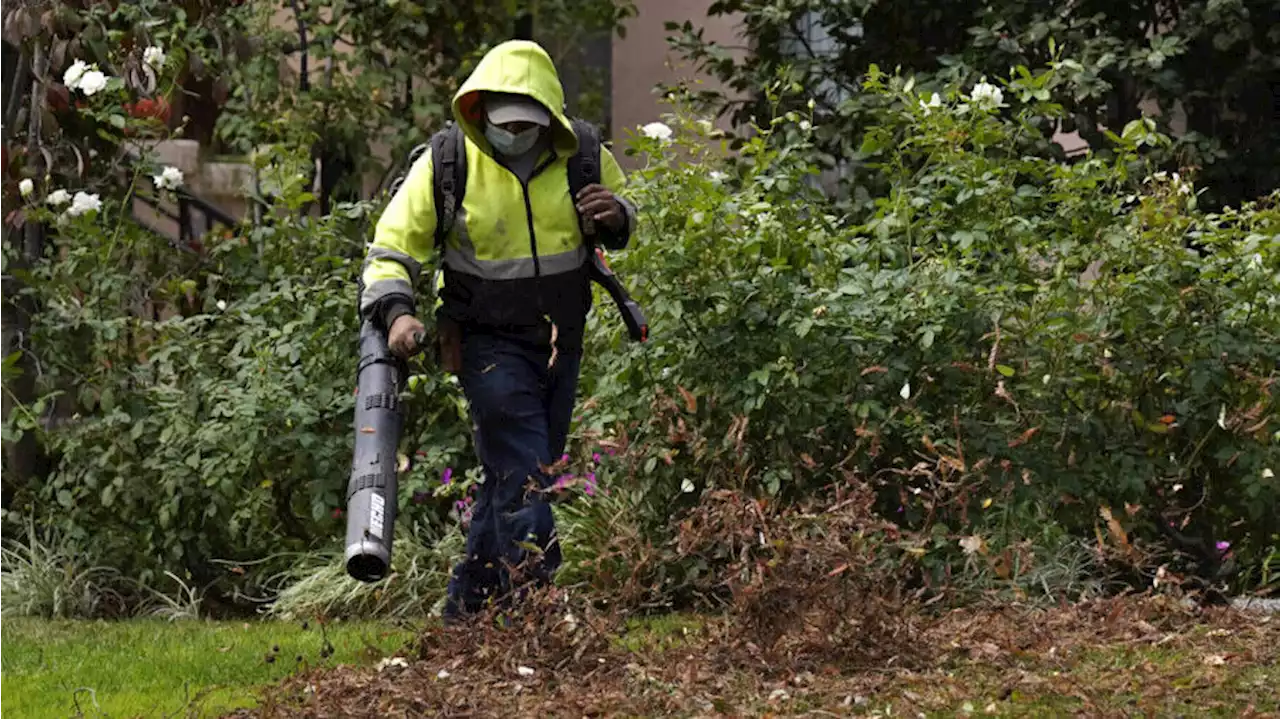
[[584, 166], [449, 158]]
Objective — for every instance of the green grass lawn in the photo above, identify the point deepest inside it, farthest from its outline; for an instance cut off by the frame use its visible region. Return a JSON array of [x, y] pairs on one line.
[[154, 668]]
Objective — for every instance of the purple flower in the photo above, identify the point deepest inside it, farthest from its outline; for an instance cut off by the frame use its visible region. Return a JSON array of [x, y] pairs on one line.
[[590, 489], [596, 458], [564, 457], [447, 476], [1224, 546], [562, 481]]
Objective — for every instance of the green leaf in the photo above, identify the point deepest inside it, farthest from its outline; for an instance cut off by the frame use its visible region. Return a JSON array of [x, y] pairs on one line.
[[1005, 370]]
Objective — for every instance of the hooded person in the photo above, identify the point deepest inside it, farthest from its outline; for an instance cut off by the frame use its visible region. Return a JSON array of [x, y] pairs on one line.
[[517, 288]]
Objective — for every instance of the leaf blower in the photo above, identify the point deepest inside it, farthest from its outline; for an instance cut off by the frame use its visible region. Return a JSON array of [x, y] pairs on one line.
[[372, 489]]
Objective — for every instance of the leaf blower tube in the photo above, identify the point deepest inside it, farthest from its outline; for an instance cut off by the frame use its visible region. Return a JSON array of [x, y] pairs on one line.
[[372, 490]]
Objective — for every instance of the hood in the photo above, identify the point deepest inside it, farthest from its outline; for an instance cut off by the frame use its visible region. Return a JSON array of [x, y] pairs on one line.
[[517, 67]]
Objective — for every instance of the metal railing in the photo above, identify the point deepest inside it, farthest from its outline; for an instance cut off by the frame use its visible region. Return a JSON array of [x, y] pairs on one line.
[[185, 218]]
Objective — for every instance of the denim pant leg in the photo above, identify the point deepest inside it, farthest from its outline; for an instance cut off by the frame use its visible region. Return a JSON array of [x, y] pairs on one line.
[[561, 393], [521, 412]]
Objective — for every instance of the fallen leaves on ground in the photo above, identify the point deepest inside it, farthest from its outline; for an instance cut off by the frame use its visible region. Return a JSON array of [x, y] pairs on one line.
[[1116, 657], [814, 626]]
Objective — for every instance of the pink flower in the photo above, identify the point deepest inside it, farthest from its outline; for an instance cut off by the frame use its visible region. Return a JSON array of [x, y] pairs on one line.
[[1224, 546], [596, 458]]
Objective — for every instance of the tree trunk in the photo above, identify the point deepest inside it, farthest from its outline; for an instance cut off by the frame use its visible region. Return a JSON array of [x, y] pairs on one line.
[[23, 459]]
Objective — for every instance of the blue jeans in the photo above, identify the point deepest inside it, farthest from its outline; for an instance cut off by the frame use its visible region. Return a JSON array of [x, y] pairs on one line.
[[520, 412]]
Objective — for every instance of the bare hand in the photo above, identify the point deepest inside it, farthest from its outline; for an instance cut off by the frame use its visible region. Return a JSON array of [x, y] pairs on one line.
[[404, 334], [598, 203]]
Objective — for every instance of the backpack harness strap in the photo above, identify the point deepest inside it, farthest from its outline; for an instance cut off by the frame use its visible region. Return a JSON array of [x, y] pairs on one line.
[[584, 166], [449, 153]]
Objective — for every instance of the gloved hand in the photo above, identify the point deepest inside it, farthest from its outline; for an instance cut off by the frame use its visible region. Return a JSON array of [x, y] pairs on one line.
[[405, 335]]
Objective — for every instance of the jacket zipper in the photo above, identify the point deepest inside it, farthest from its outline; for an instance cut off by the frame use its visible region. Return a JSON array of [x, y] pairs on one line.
[[533, 241], [528, 212]]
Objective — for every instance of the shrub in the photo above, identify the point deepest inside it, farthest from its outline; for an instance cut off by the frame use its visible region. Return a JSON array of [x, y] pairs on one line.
[[1005, 338], [212, 396], [1004, 342]]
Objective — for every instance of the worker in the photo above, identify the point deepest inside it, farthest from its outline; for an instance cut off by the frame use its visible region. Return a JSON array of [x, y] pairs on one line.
[[513, 304]]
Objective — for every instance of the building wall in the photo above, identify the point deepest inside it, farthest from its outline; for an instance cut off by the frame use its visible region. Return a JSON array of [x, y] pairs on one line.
[[642, 60]]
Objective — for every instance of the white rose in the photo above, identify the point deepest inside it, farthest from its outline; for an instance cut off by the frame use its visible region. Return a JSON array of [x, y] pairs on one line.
[[169, 179], [222, 304], [154, 57], [658, 130], [71, 78], [83, 203], [986, 96], [58, 197], [26, 187], [935, 101], [92, 82]]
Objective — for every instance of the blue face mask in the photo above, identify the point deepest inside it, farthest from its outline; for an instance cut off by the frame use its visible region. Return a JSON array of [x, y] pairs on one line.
[[510, 143]]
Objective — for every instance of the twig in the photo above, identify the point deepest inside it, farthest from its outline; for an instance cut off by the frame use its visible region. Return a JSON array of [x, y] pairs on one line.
[[15, 100]]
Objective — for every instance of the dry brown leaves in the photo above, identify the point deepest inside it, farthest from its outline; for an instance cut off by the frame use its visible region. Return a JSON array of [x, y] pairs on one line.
[[814, 627], [804, 583]]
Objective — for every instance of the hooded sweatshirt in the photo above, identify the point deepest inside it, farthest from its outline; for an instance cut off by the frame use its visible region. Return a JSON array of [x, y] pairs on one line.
[[515, 260]]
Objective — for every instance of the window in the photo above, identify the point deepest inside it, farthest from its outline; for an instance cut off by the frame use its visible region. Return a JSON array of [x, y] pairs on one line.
[[812, 39]]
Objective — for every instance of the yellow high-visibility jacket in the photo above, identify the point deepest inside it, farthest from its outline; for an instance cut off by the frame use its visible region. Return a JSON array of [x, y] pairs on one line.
[[515, 259]]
